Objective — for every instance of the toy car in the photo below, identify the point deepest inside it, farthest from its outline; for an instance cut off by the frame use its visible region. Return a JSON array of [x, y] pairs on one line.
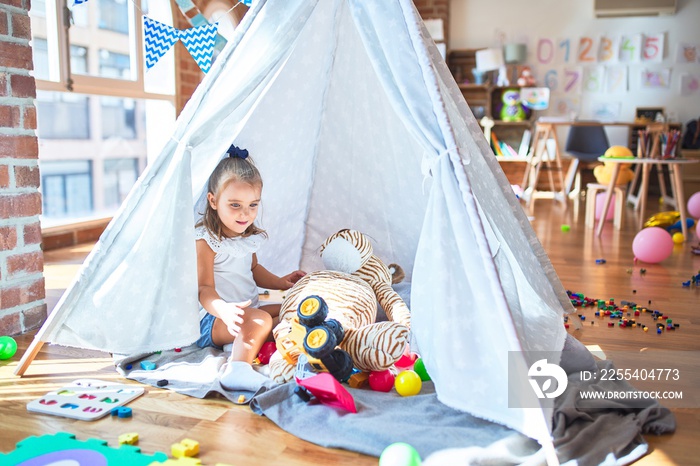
[[318, 338]]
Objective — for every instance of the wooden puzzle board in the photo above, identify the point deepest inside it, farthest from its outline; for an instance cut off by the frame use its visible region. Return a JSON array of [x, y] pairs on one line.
[[85, 399]]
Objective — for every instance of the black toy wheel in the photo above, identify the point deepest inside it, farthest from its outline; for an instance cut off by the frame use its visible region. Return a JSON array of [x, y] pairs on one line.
[[319, 342], [339, 364], [337, 329], [312, 311]]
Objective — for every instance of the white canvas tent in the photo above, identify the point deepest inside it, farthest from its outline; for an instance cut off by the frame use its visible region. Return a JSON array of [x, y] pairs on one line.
[[355, 122]]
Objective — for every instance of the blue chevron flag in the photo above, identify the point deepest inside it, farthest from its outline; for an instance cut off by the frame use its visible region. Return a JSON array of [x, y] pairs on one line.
[[200, 43], [159, 38]]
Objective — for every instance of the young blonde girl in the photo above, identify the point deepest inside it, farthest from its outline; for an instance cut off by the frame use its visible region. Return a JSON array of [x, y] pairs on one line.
[[229, 273]]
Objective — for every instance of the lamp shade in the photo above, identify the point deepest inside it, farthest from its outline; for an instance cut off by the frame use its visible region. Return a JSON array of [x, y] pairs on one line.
[[515, 53], [489, 59]]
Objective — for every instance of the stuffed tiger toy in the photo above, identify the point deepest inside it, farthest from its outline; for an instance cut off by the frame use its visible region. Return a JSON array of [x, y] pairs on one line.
[[351, 289]]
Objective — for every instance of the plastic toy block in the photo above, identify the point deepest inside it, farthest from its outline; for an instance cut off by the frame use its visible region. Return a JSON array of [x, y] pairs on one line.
[[179, 462], [329, 391], [186, 448], [121, 412], [63, 448], [359, 380], [131, 438], [162, 383], [148, 365]]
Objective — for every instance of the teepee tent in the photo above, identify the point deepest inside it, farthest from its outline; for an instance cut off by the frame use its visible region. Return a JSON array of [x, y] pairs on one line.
[[354, 121]]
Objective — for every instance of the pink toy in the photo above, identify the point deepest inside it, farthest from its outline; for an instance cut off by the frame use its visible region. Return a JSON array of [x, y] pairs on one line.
[[652, 245], [268, 348], [329, 391], [381, 381], [407, 359], [600, 203], [694, 205]]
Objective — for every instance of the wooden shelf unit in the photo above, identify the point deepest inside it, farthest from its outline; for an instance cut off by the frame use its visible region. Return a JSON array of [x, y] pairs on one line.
[[485, 99]]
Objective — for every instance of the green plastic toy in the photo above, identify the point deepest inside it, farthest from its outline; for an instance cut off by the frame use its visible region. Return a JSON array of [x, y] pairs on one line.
[[8, 347], [63, 448]]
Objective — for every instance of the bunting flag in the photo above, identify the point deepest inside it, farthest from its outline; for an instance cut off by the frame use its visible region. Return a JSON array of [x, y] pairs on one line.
[[199, 41], [159, 38]]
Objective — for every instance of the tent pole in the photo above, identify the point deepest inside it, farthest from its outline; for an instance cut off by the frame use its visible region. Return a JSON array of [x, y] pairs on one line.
[[550, 453], [29, 356]]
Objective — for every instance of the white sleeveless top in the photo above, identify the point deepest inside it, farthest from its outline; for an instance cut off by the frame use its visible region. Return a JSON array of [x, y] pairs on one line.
[[233, 278]]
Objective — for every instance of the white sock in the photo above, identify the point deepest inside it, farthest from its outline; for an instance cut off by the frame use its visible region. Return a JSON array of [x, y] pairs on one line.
[[239, 375]]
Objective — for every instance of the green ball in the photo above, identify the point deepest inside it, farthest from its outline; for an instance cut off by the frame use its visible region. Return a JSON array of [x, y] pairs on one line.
[[8, 347], [419, 368], [399, 454], [565, 228]]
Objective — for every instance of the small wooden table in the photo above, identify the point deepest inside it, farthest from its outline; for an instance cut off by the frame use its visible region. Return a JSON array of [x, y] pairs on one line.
[[676, 181]]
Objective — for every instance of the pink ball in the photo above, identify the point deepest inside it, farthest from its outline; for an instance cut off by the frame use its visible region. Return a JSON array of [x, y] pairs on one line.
[[381, 381], [694, 205], [600, 203], [652, 245]]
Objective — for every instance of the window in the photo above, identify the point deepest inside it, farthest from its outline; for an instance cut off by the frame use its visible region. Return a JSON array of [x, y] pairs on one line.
[[114, 15], [114, 65], [62, 115], [118, 118], [119, 177], [67, 188], [99, 114]]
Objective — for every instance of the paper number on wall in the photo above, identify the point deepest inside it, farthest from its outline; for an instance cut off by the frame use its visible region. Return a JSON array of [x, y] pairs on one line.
[[565, 49], [616, 79], [653, 47], [586, 50], [593, 79], [572, 80], [551, 80], [606, 49], [545, 51], [630, 48]]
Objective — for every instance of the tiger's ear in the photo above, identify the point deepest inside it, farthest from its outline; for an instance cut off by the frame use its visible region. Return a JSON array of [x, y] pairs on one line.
[[346, 251]]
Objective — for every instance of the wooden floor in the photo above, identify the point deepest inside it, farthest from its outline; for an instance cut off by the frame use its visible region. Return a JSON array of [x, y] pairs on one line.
[[233, 435]]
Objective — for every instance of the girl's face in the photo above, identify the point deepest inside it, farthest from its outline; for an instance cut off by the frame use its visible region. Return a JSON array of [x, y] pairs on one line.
[[237, 206]]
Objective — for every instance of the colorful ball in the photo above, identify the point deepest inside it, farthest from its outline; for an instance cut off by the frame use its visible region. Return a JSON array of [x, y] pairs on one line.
[[267, 350], [408, 383], [678, 238], [399, 454], [406, 360], [381, 381], [652, 245], [8, 347], [600, 203], [694, 205], [419, 368]]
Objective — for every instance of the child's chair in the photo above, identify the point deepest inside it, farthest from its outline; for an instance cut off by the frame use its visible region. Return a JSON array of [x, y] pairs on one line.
[[591, 194]]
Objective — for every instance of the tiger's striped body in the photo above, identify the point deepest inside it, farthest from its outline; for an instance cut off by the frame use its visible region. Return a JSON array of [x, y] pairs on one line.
[[352, 300]]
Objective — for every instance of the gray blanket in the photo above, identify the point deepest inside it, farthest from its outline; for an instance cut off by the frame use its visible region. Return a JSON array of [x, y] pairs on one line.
[[586, 436]]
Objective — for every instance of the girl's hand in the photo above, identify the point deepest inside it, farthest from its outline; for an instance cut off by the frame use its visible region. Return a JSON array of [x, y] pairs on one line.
[[289, 280], [232, 315]]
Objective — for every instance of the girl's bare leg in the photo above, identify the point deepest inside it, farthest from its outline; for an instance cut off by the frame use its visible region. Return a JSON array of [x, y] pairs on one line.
[[274, 311], [256, 326]]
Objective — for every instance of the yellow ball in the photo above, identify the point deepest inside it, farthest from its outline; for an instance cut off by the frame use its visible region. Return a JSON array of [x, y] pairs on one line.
[[678, 237], [408, 383]]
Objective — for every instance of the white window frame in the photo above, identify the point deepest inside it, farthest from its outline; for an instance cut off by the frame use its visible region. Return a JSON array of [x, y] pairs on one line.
[[83, 84]]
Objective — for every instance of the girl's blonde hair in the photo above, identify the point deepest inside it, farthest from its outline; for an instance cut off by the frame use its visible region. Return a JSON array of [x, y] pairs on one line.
[[229, 170]]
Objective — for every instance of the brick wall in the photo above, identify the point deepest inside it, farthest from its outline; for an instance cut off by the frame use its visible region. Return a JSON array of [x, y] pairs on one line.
[[187, 74], [436, 9], [22, 305]]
